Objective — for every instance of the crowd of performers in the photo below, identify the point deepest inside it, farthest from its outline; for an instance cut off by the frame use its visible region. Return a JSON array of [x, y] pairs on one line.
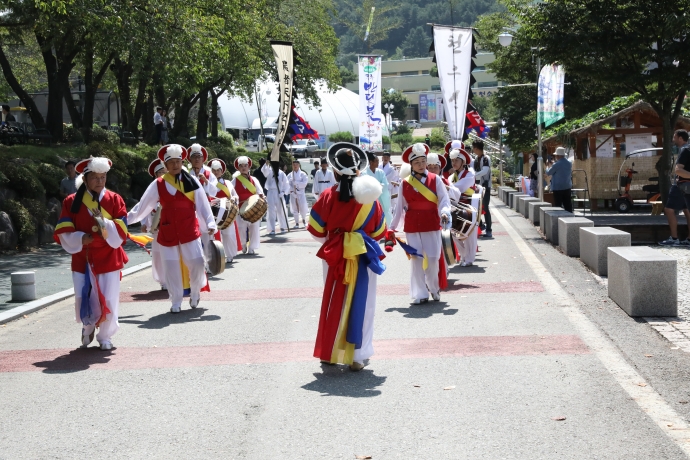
[[360, 205]]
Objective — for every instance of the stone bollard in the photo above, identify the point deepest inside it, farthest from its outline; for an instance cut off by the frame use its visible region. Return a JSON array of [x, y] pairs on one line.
[[23, 286]]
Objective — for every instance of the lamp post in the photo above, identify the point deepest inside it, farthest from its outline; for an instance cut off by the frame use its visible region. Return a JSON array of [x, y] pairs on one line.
[[389, 107], [501, 123], [505, 39]]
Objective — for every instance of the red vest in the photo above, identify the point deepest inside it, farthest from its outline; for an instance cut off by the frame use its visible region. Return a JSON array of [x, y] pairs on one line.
[[422, 214], [242, 191], [103, 258], [178, 224]]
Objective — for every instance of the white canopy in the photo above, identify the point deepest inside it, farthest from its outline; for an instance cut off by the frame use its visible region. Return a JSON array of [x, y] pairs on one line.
[[339, 111]]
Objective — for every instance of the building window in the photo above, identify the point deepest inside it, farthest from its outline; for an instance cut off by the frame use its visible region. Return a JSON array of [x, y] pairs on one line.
[[425, 72], [487, 84], [435, 87], [479, 68], [409, 73], [390, 74]]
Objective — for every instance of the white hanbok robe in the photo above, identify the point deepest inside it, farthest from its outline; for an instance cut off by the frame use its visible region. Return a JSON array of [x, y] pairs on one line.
[[322, 181], [467, 249], [274, 196], [247, 229], [298, 182]]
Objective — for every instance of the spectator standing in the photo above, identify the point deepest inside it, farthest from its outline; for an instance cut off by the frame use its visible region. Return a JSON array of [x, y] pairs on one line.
[[482, 176], [259, 175], [158, 125], [534, 175], [164, 127], [68, 184], [6, 115], [678, 197], [316, 168], [561, 173], [427, 140]]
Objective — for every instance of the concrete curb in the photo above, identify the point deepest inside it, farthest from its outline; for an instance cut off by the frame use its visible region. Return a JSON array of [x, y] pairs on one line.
[[31, 307]]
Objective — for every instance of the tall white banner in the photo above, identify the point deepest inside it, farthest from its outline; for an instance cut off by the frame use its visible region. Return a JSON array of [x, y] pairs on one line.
[[285, 62], [370, 118], [453, 48], [550, 97]]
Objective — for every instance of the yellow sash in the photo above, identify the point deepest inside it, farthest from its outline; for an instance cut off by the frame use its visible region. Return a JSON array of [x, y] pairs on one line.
[[421, 188], [224, 188], [167, 177], [91, 205], [353, 247], [247, 184], [454, 178]]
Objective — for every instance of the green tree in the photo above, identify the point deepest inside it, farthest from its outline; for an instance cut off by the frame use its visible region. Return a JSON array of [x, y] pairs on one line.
[[399, 101], [618, 45], [416, 43]]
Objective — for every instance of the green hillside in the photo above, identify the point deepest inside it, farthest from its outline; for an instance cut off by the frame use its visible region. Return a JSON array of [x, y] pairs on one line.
[[399, 27]]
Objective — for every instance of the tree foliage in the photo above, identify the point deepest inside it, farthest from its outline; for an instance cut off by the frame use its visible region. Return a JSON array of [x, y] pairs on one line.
[[399, 101]]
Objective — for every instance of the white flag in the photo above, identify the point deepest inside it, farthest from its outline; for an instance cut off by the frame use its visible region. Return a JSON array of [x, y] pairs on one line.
[[370, 118], [453, 48], [283, 53]]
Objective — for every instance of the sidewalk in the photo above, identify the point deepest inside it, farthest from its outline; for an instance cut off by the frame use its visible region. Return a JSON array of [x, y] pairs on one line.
[[522, 358]]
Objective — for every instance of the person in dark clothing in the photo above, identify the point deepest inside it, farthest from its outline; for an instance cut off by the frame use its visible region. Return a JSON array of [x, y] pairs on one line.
[[316, 168], [534, 175], [259, 175], [427, 141], [561, 173], [6, 115], [678, 198]]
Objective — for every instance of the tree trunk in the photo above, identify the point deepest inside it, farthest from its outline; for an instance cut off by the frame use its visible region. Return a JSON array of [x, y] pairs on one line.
[[34, 113], [72, 108], [214, 112], [91, 84], [55, 91], [202, 119], [182, 116], [147, 120], [123, 74], [140, 106]]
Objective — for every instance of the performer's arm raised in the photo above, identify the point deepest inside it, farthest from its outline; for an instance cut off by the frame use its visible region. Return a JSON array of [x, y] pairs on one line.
[[146, 205]]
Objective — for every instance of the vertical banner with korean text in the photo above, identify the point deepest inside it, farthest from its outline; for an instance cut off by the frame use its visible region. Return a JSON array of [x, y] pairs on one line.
[[423, 109], [285, 63], [453, 47], [370, 119], [550, 98]]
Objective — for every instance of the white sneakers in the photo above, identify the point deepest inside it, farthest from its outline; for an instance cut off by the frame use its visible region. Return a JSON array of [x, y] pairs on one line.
[[193, 303], [106, 346], [418, 301], [244, 249], [175, 309], [436, 296], [86, 339]]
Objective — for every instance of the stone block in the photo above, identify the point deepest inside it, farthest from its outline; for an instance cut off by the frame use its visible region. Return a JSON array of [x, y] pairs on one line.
[[503, 191], [533, 210], [551, 223], [514, 200], [594, 242], [569, 234], [509, 194], [23, 286], [542, 216], [642, 281], [522, 204]]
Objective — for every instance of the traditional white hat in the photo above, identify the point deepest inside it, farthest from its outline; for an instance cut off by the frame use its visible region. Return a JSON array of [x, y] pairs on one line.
[[243, 160], [460, 153], [415, 151], [172, 152], [436, 159], [98, 165], [560, 151], [218, 164], [197, 149], [155, 166]]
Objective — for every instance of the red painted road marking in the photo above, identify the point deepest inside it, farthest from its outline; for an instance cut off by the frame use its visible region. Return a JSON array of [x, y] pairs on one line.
[[65, 360], [317, 292]]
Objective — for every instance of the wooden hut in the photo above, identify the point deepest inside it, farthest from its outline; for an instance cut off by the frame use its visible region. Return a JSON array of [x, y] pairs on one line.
[[600, 149]]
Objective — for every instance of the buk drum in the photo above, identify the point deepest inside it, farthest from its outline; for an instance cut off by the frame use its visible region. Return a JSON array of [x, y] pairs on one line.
[[465, 220], [216, 258], [253, 209], [448, 248], [224, 211]]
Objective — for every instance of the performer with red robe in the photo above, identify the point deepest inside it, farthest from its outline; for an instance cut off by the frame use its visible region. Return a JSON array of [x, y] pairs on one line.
[[348, 220], [247, 185], [462, 179], [93, 228]]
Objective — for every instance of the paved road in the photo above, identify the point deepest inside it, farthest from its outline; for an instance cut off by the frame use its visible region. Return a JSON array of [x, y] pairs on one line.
[[512, 363]]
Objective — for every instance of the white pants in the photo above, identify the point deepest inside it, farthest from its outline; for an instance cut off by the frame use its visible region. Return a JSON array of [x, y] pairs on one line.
[[467, 249], [276, 208], [299, 199], [229, 238], [424, 281], [110, 287], [367, 349], [157, 263], [193, 257], [250, 231]]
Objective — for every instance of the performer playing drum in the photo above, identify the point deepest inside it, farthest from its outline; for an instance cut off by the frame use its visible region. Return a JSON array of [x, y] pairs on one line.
[[181, 198], [197, 156], [436, 164], [423, 206], [230, 236], [462, 179], [93, 228], [347, 219], [298, 181], [246, 185]]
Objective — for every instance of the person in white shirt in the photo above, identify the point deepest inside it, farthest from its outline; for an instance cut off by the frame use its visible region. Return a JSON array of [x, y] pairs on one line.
[[393, 178], [274, 197], [323, 179], [197, 158], [184, 205], [462, 180], [298, 181]]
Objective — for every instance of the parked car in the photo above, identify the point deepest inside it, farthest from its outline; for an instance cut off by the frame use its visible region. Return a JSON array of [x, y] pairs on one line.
[[395, 123], [303, 148], [413, 124]]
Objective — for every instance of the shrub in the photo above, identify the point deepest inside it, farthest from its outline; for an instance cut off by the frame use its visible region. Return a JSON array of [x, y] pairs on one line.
[[341, 136], [36, 209], [50, 176], [22, 180], [403, 129], [241, 150], [99, 134], [438, 138], [386, 140], [402, 140], [72, 135], [22, 221], [418, 140]]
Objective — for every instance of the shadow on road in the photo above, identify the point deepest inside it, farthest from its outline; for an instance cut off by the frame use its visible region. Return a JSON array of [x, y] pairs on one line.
[[425, 310], [339, 381], [471, 269], [168, 319], [77, 360]]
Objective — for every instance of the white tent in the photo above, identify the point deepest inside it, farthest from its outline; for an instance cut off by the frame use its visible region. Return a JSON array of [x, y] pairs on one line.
[[339, 111]]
